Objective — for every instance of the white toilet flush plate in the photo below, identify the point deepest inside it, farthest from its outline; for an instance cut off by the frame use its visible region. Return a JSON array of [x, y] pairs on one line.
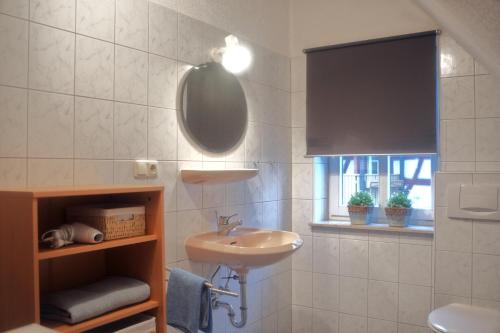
[[478, 202]]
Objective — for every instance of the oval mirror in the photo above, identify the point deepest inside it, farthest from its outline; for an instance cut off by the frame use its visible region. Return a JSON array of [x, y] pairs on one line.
[[213, 107]]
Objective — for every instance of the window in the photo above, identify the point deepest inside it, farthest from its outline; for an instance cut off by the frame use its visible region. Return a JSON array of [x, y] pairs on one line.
[[414, 175], [397, 79], [382, 176], [359, 174]]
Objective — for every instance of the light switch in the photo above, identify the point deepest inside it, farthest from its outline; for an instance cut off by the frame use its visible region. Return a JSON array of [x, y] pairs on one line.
[[140, 169]]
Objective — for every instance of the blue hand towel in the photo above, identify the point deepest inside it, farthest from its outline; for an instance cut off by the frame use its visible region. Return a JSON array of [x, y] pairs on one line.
[[188, 302]]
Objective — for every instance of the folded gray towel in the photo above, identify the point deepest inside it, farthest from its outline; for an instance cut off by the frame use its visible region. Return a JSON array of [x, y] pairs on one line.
[[76, 305], [188, 302]]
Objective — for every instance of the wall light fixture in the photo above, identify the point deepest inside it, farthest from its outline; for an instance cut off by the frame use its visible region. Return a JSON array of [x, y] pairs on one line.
[[234, 57]]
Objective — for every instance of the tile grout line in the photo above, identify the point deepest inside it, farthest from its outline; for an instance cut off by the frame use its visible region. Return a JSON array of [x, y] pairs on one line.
[[147, 83], [475, 169], [114, 93], [399, 279], [83, 96], [367, 277], [27, 181], [475, 117], [74, 97]]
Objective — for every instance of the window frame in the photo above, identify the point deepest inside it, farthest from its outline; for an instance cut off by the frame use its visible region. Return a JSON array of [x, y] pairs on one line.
[[338, 212]]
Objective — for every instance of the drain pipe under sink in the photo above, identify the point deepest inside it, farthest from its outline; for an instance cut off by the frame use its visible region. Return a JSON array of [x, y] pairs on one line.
[[242, 280]]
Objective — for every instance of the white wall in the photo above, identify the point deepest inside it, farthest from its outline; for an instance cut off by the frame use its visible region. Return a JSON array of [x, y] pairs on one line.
[[474, 24], [262, 21], [325, 22], [88, 86], [467, 258]]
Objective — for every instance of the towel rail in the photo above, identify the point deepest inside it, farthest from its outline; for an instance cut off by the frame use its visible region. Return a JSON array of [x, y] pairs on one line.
[[215, 290]]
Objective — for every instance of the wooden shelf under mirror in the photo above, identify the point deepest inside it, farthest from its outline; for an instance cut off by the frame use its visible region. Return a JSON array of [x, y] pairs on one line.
[[219, 176], [30, 271]]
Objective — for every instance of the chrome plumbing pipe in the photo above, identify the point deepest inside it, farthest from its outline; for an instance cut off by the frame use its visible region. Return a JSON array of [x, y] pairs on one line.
[[242, 280]]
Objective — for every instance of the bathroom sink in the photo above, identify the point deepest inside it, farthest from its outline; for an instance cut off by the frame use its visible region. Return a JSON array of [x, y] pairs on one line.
[[243, 248]]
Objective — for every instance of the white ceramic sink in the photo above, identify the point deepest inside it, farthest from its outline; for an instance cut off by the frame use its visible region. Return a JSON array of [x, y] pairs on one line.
[[243, 248]]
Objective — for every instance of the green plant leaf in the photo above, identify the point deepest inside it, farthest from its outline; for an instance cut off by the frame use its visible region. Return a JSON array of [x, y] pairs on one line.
[[361, 199], [399, 200]]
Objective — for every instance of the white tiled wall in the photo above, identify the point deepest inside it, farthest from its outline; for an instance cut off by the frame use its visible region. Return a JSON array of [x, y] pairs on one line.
[[467, 255], [347, 281], [467, 252], [88, 86], [470, 113]]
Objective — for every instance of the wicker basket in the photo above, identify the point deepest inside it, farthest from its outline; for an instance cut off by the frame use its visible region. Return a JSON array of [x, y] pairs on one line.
[[114, 221]]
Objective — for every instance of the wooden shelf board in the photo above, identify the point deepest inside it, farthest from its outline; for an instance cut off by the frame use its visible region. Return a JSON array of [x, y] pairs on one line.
[[219, 176], [44, 254], [412, 229], [102, 320], [72, 191]]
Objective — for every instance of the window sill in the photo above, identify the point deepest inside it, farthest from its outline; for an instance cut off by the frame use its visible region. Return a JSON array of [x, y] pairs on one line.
[[412, 229]]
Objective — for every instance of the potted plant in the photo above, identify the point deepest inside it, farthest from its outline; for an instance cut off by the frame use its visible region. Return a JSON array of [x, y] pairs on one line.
[[398, 210], [360, 206]]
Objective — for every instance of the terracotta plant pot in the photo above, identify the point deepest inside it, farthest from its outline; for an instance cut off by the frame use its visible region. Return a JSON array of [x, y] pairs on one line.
[[359, 214], [398, 217]]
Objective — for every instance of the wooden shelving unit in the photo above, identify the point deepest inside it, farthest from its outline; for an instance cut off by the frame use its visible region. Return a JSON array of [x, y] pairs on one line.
[[27, 271]]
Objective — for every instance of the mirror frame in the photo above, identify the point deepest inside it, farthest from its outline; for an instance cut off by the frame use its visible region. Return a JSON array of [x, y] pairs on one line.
[[185, 129]]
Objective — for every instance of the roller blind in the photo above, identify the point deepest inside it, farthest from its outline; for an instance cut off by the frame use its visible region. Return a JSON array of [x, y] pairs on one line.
[[373, 97]]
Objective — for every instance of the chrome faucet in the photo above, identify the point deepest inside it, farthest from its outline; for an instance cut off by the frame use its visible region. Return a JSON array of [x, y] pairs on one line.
[[224, 227]]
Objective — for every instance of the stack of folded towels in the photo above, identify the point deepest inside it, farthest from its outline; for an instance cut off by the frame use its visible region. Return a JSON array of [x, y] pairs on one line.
[[79, 304]]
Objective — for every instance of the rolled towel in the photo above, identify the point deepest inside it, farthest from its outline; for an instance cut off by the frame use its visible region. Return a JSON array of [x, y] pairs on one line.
[[76, 305], [188, 302]]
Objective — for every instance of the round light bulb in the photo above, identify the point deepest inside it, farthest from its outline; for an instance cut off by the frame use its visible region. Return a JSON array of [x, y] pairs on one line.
[[236, 58]]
